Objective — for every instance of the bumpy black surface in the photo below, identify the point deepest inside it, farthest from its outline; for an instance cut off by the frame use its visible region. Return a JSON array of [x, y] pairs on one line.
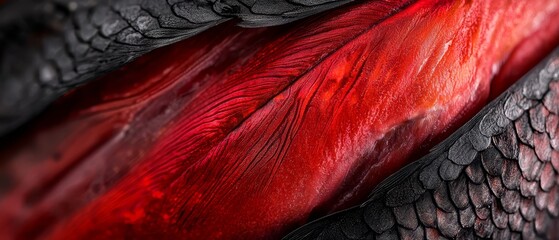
[[497, 177], [50, 46]]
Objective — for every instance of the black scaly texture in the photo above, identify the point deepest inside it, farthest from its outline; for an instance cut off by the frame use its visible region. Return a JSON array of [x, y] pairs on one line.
[[496, 177], [50, 46]]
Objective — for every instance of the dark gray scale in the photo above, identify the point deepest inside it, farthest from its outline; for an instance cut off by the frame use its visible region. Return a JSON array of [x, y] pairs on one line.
[[480, 195], [391, 234], [465, 234], [529, 163], [538, 117], [492, 160], [402, 215], [483, 212], [448, 223], [443, 199], [536, 89], [524, 130], [506, 143], [504, 189], [408, 193], [85, 39], [379, 217], [552, 128], [449, 171], [467, 217], [430, 177], [489, 124], [498, 215], [501, 234], [457, 189], [271, 12], [417, 233], [550, 100], [433, 233], [496, 186], [463, 152], [353, 225], [510, 201], [484, 228], [511, 109], [475, 172], [426, 210], [511, 175], [333, 232], [479, 141]]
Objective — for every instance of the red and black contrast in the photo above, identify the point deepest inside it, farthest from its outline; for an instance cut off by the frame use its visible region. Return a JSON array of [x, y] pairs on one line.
[[138, 119], [496, 177]]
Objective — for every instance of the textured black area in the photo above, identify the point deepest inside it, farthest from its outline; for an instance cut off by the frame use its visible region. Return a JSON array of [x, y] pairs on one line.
[[50, 46], [496, 177]]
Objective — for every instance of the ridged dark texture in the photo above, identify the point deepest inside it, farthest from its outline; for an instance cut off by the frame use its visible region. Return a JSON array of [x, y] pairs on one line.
[[48, 47], [495, 177]]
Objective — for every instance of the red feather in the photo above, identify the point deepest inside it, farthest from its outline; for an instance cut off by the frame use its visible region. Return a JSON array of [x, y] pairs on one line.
[[252, 132]]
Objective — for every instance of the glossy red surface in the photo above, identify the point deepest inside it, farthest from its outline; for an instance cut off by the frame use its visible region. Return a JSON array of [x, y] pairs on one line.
[[251, 132]]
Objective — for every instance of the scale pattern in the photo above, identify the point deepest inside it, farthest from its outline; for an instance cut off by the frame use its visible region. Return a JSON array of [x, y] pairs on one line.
[[51, 46], [498, 177]]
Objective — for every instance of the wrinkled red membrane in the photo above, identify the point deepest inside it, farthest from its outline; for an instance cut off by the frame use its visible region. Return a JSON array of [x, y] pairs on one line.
[[251, 132]]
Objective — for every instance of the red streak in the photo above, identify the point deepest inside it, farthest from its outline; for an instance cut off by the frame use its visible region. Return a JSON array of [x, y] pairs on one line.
[[252, 132]]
